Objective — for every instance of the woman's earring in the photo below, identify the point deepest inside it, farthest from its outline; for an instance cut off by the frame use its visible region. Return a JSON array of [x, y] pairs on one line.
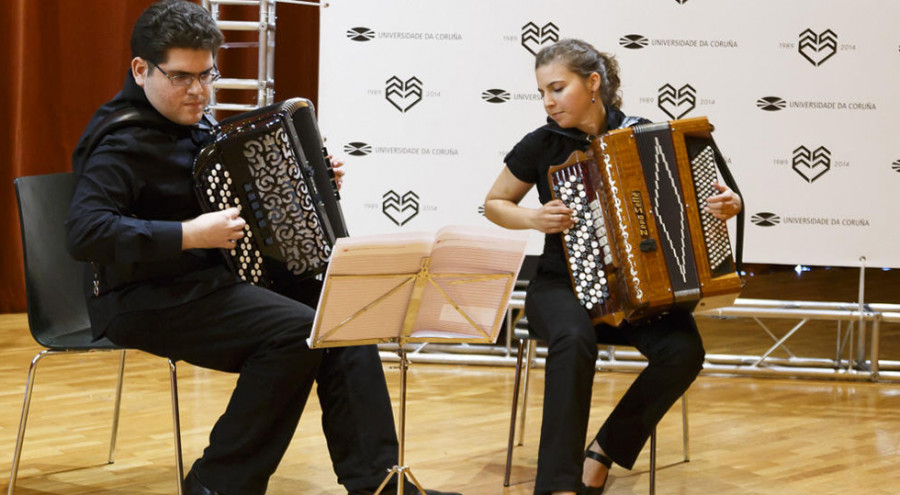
[[593, 99]]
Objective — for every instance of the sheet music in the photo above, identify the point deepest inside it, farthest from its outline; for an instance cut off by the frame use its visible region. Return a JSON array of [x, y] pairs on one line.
[[371, 286]]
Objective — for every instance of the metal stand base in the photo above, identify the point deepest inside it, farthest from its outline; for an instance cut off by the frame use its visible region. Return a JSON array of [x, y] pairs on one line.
[[402, 471]]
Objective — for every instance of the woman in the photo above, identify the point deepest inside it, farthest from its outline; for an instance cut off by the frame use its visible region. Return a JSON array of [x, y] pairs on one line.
[[579, 87]]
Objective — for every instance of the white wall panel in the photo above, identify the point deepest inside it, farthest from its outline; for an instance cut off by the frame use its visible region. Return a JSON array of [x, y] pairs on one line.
[[441, 154]]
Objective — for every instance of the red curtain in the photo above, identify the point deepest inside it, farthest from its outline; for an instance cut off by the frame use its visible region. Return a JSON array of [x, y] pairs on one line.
[[64, 58]]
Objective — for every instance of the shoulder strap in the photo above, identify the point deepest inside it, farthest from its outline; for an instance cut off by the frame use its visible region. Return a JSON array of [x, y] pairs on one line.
[[576, 135], [629, 121], [124, 117]]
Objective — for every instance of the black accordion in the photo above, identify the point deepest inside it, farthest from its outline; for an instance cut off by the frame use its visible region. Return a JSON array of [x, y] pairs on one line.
[[272, 165], [642, 243]]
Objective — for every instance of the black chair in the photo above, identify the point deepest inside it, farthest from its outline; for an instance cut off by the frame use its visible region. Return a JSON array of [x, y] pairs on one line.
[[527, 343], [57, 313]]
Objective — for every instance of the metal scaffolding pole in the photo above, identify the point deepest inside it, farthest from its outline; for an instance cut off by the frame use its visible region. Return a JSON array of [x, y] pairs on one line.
[[264, 24], [720, 364]]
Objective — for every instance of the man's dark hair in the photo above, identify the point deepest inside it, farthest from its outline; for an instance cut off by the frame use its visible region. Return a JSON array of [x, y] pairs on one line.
[[174, 24]]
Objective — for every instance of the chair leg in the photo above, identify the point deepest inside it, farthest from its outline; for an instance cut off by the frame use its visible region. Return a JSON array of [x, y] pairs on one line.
[[512, 419], [529, 355], [23, 421], [176, 426], [686, 437], [653, 461], [116, 408], [685, 430]]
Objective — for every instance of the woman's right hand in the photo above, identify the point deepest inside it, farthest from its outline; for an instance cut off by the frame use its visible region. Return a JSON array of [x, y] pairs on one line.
[[553, 217]]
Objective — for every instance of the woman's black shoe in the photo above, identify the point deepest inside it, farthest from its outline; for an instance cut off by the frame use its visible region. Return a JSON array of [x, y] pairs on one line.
[[602, 459]]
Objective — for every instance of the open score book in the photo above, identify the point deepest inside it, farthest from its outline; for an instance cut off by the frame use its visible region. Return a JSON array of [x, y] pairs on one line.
[[449, 286]]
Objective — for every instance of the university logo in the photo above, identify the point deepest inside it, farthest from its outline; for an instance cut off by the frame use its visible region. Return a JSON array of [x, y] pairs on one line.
[[357, 148], [765, 219], [817, 48], [676, 103], [400, 209], [896, 166], [534, 37], [811, 164], [771, 103], [361, 34], [403, 94], [634, 41], [495, 95]]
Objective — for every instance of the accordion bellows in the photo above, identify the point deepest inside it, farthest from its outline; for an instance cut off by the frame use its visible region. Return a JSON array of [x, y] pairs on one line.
[[642, 243], [270, 163]]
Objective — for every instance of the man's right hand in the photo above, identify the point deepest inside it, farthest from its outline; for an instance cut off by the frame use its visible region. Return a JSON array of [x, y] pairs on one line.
[[219, 229]]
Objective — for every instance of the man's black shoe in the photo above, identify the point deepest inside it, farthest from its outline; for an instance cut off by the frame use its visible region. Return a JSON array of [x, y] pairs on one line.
[[192, 486]]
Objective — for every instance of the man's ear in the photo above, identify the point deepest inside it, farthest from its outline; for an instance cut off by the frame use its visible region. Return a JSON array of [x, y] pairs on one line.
[[139, 69]]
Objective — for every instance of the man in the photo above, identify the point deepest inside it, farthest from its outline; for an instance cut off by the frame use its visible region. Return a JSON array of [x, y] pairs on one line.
[[158, 283]]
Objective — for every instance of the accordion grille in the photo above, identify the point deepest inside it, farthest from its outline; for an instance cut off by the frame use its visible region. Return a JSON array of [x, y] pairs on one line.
[[286, 203]]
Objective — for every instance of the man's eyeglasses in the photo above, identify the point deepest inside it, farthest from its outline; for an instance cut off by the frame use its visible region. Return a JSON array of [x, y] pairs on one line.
[[183, 79]]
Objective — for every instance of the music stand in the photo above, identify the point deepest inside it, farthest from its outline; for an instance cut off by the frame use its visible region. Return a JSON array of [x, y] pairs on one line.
[[450, 287]]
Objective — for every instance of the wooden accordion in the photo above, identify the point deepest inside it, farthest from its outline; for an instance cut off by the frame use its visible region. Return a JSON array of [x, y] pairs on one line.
[[642, 243], [271, 164]]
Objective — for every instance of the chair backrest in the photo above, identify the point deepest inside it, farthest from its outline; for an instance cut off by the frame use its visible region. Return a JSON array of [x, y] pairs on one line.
[[53, 280]]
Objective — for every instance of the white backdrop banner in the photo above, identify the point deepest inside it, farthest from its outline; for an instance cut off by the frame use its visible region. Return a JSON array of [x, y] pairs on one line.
[[423, 98]]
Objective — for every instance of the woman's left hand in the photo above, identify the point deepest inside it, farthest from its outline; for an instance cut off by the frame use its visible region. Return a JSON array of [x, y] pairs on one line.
[[338, 172], [724, 205]]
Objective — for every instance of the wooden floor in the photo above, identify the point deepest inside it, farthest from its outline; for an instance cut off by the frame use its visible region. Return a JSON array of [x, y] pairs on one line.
[[748, 435]]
